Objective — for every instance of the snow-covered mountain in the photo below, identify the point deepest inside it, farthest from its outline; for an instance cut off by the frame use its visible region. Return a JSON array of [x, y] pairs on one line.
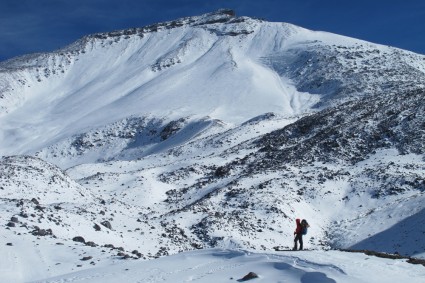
[[214, 66], [212, 131]]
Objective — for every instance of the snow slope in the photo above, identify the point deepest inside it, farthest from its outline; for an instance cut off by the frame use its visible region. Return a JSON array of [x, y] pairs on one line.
[[212, 131], [157, 73], [229, 265]]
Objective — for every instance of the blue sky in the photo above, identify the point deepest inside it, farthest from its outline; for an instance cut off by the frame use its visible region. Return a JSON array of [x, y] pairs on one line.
[[28, 26]]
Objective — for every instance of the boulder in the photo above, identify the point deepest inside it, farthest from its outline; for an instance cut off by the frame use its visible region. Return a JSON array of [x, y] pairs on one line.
[[79, 239], [107, 224], [249, 276]]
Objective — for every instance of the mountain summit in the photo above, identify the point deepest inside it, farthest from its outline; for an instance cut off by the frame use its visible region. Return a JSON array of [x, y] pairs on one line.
[[215, 66], [213, 131]]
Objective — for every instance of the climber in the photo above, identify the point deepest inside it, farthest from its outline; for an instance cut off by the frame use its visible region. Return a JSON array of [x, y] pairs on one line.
[[299, 232]]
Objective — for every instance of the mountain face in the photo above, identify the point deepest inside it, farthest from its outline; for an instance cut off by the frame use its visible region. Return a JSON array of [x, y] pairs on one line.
[[229, 68], [213, 131]]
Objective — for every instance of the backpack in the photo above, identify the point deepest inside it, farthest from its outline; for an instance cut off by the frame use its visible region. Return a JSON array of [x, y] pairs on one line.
[[304, 226]]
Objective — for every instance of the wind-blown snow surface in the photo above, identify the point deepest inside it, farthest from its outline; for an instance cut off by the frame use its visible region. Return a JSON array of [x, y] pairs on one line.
[[232, 266], [210, 132]]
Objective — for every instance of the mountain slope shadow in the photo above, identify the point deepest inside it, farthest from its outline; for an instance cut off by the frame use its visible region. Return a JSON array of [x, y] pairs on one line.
[[393, 240], [305, 277], [316, 277]]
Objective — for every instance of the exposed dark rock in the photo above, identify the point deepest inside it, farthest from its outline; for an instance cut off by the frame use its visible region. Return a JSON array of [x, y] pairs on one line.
[[411, 260], [23, 215], [124, 256], [39, 208], [249, 276], [14, 219], [11, 224], [79, 239], [221, 171], [42, 232], [172, 128], [107, 224], [416, 261], [137, 253]]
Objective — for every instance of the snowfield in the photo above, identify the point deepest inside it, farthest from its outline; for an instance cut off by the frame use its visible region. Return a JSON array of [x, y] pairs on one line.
[[221, 265], [184, 151]]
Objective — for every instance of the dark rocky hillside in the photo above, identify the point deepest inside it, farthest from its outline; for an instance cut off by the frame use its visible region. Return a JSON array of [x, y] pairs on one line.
[[350, 132]]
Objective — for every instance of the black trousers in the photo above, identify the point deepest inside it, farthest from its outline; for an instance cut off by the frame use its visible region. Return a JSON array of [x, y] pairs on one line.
[[298, 238]]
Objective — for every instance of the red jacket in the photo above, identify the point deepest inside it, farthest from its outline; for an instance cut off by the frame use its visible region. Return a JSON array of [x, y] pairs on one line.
[[299, 228]]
